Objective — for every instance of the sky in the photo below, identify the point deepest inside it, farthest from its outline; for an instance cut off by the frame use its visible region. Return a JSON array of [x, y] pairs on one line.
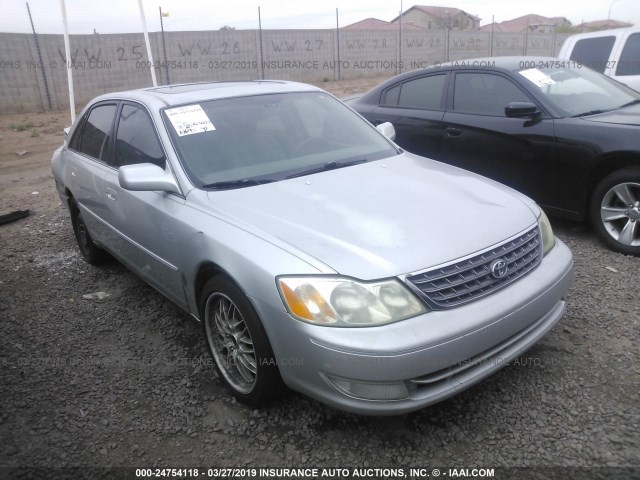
[[117, 16]]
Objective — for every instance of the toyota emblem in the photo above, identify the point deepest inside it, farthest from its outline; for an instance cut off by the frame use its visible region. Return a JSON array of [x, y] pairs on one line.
[[499, 268]]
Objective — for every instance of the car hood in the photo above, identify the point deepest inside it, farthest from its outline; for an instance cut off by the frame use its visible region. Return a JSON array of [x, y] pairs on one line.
[[383, 218], [623, 116]]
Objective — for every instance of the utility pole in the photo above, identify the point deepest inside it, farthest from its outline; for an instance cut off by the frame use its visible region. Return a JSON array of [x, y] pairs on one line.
[[40, 62], [164, 47]]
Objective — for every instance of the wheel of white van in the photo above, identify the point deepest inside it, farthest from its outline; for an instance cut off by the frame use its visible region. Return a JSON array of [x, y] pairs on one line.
[[238, 343], [92, 254], [615, 210]]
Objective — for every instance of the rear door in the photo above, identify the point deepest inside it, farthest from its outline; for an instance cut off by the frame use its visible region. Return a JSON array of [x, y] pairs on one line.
[[90, 163], [479, 137], [416, 108]]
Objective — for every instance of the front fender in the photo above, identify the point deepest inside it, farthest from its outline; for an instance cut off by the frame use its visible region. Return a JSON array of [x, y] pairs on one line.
[[249, 259]]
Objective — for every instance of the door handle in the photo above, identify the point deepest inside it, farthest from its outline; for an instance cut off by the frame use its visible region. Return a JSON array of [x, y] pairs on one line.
[[111, 194], [453, 132]]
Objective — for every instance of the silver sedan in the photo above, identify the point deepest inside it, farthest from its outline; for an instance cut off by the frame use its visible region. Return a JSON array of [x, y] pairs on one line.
[[314, 251]]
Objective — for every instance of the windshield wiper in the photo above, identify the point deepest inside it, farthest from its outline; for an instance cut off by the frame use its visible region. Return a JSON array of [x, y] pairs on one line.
[[594, 112], [632, 102], [590, 112], [327, 166], [231, 184]]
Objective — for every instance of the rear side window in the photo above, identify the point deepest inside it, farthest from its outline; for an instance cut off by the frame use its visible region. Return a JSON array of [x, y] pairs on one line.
[[392, 96], [136, 140], [593, 52], [95, 139], [629, 63], [424, 93]]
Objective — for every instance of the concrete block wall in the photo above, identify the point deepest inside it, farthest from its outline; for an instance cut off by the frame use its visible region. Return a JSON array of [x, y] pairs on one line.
[[368, 53], [100, 64], [111, 62], [508, 44], [542, 45], [209, 56], [19, 83], [422, 50], [302, 55], [468, 44]]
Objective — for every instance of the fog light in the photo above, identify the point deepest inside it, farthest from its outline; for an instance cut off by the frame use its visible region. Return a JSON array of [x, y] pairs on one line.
[[370, 390]]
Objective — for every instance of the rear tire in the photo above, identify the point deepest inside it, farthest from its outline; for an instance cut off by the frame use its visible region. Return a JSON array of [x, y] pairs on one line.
[[238, 343], [92, 254], [615, 210]]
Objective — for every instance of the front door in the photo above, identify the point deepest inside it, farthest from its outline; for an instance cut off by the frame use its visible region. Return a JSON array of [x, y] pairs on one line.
[[479, 137]]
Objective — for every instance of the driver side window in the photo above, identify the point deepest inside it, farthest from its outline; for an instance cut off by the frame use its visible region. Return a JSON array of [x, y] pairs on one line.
[[485, 94], [136, 140]]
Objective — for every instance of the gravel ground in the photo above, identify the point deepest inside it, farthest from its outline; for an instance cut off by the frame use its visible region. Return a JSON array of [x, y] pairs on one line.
[[123, 379]]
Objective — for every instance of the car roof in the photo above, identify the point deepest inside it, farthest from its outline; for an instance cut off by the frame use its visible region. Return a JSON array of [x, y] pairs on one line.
[[167, 95], [507, 63], [612, 32]]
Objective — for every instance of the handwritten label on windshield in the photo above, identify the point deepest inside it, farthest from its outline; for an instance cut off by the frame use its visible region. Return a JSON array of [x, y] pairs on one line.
[[189, 120], [537, 77]]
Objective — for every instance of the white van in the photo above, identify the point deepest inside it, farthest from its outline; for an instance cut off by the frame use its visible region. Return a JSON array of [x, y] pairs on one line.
[[616, 53]]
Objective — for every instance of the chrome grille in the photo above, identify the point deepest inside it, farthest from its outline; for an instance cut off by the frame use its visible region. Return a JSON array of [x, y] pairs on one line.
[[470, 279]]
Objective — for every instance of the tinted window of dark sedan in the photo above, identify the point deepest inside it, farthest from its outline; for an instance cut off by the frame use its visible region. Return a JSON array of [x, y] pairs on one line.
[[485, 94], [425, 92]]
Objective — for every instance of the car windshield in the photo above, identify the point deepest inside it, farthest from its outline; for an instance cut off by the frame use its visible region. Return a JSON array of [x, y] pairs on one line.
[[580, 91], [245, 141]]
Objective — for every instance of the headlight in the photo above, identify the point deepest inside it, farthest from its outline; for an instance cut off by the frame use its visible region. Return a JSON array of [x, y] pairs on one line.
[[345, 302], [548, 240]]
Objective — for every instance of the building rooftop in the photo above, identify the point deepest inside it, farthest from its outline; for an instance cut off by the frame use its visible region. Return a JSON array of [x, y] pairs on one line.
[[440, 12], [377, 24], [520, 24]]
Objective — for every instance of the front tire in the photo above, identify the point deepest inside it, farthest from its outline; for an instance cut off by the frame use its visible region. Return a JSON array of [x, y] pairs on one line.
[[615, 210], [92, 254], [238, 343]]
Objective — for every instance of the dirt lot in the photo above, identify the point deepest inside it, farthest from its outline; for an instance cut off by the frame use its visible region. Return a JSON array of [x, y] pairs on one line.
[[125, 381]]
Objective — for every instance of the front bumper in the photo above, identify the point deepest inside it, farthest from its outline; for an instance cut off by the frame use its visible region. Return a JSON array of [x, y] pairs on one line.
[[436, 355]]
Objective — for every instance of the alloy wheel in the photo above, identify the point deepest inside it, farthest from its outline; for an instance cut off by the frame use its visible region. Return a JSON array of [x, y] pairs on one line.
[[231, 342], [620, 213]]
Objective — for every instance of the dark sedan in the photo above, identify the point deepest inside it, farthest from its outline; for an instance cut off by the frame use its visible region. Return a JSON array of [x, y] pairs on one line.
[[557, 131]]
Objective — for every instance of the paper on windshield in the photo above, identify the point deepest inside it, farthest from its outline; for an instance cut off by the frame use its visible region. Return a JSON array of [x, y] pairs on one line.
[[189, 120], [536, 76]]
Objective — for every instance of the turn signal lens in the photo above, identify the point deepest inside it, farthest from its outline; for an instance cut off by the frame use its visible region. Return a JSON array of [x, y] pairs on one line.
[[307, 303]]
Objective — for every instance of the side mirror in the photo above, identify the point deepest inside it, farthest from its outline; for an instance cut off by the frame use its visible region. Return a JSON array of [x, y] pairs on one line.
[[521, 110], [146, 177], [387, 130]]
